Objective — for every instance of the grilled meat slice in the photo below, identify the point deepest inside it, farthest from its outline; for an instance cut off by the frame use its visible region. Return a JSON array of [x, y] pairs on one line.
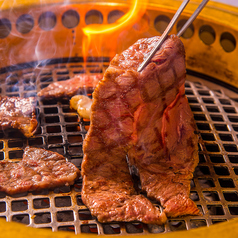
[[166, 147], [132, 113], [39, 169], [70, 87], [18, 113], [166, 168], [108, 189]]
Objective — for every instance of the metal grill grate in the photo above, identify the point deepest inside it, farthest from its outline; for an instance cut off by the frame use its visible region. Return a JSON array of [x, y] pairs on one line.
[[214, 187]]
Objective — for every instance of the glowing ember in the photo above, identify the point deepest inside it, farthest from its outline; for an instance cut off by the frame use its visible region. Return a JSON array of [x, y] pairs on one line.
[[96, 35]]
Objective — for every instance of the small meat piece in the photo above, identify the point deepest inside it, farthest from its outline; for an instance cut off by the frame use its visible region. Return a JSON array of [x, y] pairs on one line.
[[70, 87], [18, 113], [146, 117], [39, 169]]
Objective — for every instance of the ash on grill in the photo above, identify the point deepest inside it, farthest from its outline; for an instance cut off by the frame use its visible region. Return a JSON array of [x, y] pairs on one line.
[[214, 187]]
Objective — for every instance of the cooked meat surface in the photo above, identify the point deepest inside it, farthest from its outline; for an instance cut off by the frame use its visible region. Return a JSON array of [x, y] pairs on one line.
[[18, 113], [166, 168], [108, 189], [70, 87], [146, 117], [39, 169]]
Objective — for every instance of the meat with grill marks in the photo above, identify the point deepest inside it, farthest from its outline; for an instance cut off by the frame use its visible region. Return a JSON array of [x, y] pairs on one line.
[[39, 169], [79, 84], [18, 113], [146, 117], [166, 168]]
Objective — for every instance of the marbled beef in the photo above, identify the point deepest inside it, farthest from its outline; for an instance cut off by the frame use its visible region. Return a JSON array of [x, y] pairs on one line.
[[39, 169], [18, 113], [146, 117], [79, 84]]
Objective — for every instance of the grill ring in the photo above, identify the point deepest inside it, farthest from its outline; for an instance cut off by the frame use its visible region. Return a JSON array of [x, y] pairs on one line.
[[214, 187]]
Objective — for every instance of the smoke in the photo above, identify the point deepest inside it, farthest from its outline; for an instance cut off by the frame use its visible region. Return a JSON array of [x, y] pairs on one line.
[[35, 33], [99, 36]]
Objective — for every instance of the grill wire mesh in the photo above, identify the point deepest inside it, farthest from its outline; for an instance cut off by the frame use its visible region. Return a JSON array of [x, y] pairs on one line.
[[214, 187]]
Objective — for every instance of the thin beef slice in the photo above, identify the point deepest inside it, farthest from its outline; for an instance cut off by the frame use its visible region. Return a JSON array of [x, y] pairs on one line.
[[79, 84], [129, 111], [39, 169]]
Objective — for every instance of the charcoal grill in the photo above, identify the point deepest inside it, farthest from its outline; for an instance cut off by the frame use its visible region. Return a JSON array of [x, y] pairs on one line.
[[29, 63]]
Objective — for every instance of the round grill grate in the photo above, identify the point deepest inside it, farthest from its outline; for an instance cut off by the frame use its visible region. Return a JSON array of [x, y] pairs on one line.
[[214, 187]]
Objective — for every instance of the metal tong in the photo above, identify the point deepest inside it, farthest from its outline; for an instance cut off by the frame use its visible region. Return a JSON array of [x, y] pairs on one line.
[[169, 28]]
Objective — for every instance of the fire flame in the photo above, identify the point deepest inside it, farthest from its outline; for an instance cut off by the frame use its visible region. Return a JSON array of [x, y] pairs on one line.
[[96, 36]]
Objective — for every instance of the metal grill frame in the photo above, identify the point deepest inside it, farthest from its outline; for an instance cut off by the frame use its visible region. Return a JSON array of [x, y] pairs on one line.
[[214, 187]]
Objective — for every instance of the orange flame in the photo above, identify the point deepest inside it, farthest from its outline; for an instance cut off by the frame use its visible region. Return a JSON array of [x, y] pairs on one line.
[[106, 34]]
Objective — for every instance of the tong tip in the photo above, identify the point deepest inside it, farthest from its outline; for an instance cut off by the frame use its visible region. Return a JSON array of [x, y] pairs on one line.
[[169, 28]]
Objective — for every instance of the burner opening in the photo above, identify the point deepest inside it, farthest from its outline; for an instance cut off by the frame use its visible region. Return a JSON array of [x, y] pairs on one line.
[[207, 34], [25, 23], [47, 21], [5, 28], [70, 19]]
